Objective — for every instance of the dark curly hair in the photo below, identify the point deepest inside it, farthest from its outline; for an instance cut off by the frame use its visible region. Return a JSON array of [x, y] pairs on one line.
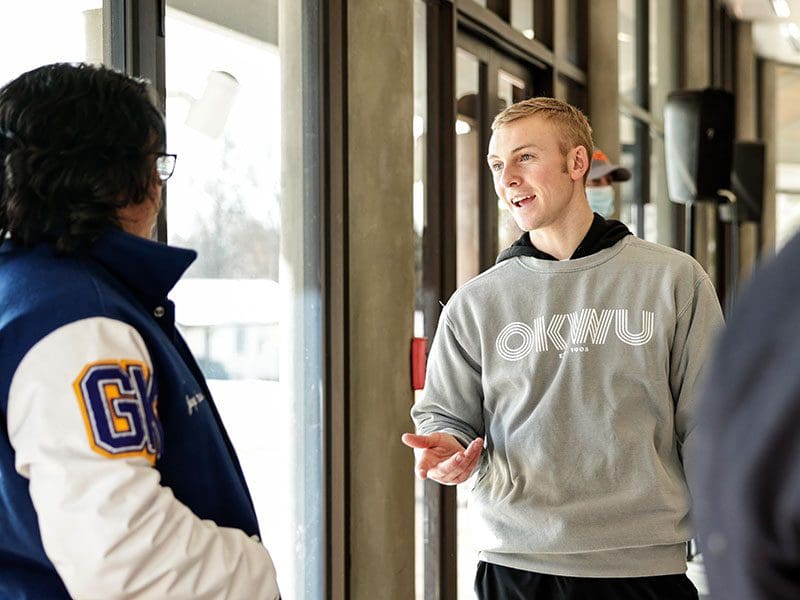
[[76, 144]]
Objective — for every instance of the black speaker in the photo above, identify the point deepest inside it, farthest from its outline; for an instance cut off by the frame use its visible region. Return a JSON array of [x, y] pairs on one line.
[[747, 179], [698, 141]]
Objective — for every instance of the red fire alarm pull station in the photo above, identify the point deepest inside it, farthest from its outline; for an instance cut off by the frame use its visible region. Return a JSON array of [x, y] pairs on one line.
[[419, 346]]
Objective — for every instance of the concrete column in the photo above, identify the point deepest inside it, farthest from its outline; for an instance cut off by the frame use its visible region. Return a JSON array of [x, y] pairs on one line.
[[665, 54], [381, 242], [696, 74], [705, 232], [749, 248], [696, 45], [603, 75], [746, 129], [769, 136], [746, 107]]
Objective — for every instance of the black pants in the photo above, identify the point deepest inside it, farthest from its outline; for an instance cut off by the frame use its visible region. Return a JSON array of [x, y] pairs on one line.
[[494, 582]]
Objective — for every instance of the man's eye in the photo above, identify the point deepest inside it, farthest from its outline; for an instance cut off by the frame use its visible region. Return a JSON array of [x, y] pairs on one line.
[[525, 156]]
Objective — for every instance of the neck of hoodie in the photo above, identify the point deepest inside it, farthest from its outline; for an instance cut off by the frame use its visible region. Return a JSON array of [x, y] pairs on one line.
[[602, 234]]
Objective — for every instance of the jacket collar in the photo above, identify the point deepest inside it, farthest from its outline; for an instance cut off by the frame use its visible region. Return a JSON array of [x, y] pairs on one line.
[[150, 269]]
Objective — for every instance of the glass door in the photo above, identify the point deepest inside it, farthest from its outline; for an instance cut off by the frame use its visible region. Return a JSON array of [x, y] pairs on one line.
[[71, 32], [459, 227], [238, 304], [486, 83]]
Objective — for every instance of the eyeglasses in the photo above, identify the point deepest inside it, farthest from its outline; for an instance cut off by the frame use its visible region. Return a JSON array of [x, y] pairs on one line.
[[165, 165]]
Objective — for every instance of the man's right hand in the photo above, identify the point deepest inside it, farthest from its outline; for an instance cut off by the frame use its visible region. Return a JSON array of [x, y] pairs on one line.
[[442, 458]]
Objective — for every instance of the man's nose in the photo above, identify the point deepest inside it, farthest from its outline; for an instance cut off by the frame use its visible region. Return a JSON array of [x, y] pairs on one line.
[[510, 177]]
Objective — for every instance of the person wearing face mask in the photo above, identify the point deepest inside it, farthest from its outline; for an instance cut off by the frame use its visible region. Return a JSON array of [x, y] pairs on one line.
[[598, 184]]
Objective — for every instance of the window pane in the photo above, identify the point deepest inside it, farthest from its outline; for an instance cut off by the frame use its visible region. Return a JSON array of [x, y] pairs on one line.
[[787, 201], [467, 164], [237, 304], [787, 177], [630, 134], [627, 43], [788, 207], [71, 32], [663, 54], [420, 125], [522, 17], [468, 161], [532, 18], [572, 92], [510, 89], [660, 222], [573, 31], [787, 153]]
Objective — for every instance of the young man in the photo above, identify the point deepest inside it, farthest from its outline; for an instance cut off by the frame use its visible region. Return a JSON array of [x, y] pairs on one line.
[[117, 479], [573, 362]]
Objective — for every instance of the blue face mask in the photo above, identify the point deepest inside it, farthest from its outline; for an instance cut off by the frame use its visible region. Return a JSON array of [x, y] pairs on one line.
[[601, 200]]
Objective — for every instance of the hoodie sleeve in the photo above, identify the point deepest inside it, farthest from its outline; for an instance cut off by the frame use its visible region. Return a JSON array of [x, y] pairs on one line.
[[699, 323], [453, 397], [110, 528]]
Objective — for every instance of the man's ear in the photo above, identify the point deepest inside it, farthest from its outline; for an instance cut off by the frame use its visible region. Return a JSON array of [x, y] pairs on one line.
[[579, 162]]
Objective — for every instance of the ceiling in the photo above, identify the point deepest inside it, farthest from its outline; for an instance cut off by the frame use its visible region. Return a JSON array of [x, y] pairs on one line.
[[768, 38], [770, 42]]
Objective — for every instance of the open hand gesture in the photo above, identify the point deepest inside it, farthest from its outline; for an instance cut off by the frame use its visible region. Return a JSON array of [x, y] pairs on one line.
[[442, 458]]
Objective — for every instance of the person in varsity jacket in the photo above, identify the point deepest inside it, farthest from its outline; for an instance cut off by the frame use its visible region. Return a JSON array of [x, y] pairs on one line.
[[746, 480], [561, 381], [117, 478]]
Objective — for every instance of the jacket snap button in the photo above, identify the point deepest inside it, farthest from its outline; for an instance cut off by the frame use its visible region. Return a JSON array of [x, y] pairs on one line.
[[159, 312]]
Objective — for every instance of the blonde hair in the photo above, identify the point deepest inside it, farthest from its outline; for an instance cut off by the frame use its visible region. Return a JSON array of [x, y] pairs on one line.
[[572, 125]]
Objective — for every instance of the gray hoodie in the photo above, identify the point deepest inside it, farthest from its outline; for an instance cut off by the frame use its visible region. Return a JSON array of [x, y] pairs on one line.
[[580, 375]]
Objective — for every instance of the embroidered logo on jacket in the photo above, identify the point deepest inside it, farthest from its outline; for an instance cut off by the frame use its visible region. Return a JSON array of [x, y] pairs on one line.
[[517, 340], [193, 402], [118, 400]]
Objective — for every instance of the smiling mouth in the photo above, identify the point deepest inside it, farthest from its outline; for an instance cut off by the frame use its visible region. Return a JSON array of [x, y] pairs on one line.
[[522, 201]]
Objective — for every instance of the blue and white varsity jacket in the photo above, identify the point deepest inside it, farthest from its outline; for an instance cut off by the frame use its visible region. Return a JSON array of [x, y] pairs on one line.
[[117, 478]]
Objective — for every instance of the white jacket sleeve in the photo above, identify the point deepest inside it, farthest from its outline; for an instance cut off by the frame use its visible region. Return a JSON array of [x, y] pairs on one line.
[[107, 524]]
